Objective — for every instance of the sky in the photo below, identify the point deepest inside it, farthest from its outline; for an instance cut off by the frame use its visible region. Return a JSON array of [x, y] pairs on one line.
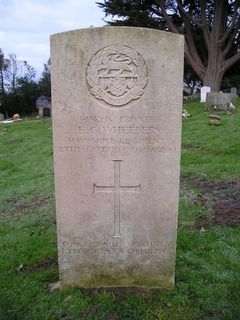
[[26, 25]]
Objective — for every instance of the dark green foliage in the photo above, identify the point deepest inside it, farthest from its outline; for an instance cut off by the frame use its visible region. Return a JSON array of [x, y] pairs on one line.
[[45, 80], [232, 77], [18, 88], [23, 100], [132, 13]]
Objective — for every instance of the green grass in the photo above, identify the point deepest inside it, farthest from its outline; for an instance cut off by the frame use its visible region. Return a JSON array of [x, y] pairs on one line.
[[208, 260], [215, 150]]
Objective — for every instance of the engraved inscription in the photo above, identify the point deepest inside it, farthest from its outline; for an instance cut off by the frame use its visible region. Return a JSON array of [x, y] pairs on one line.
[[130, 133], [117, 188], [117, 75], [122, 145], [113, 247]]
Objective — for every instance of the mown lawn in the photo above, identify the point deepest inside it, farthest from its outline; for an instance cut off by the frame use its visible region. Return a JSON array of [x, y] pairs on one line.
[[208, 248]]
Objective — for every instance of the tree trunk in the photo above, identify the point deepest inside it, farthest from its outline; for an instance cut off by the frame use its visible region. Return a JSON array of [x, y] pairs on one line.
[[212, 74], [213, 78], [218, 39], [214, 71]]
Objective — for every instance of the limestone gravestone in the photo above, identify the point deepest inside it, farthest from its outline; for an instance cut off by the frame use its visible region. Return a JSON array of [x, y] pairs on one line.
[[204, 91], [220, 102], [117, 152]]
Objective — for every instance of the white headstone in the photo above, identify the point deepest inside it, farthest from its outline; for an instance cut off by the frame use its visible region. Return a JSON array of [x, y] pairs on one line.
[[204, 91]]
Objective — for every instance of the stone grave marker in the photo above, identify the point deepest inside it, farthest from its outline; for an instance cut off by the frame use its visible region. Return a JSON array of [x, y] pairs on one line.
[[220, 102], [43, 105], [234, 91], [116, 155], [204, 91]]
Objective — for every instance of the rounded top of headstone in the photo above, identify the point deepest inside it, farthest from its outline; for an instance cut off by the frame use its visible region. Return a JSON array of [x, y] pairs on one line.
[[117, 29]]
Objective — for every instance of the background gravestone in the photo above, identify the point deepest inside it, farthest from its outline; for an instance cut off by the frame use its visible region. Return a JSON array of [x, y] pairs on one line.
[[43, 105], [203, 93], [220, 101], [234, 91], [116, 154]]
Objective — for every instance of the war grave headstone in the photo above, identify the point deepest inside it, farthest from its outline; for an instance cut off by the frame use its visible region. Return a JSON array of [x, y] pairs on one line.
[[117, 136]]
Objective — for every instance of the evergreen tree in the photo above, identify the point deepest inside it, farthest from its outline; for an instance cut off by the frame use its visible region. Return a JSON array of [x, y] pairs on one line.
[[45, 80], [211, 29]]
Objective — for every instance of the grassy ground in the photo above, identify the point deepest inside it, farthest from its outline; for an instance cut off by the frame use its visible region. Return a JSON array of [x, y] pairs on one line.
[[208, 252]]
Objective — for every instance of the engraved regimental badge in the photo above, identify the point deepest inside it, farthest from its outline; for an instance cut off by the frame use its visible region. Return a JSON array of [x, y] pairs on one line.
[[117, 75]]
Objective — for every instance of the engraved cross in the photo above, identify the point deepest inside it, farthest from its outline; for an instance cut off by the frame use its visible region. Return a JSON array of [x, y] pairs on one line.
[[117, 188]]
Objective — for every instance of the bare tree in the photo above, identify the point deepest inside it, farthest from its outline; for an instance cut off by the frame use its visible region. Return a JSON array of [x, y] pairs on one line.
[[216, 21], [16, 70]]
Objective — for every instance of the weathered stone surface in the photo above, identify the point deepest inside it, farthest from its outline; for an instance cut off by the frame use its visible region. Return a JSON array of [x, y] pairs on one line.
[[234, 91], [203, 93], [117, 153], [214, 119], [43, 105], [215, 116], [214, 122], [220, 101]]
